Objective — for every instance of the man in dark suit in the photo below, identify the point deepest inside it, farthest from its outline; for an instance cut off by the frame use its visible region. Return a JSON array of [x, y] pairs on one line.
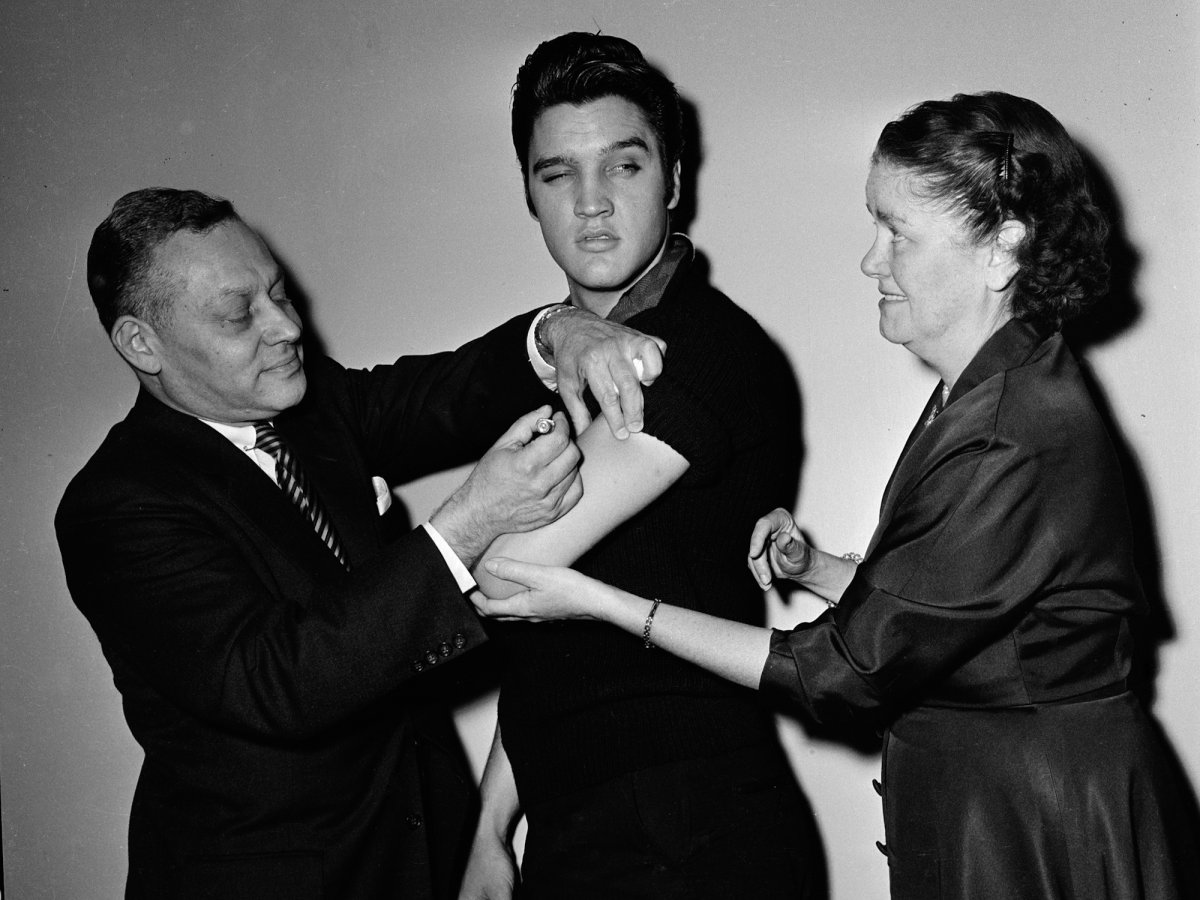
[[265, 637]]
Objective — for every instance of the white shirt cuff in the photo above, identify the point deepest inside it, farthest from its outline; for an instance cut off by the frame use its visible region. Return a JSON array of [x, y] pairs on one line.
[[542, 369], [465, 582]]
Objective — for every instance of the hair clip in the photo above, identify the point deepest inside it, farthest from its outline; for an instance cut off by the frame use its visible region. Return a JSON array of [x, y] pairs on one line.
[[1006, 164]]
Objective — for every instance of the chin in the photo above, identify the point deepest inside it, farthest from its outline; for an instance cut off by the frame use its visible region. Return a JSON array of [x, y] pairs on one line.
[[893, 331], [611, 280], [603, 279], [292, 395]]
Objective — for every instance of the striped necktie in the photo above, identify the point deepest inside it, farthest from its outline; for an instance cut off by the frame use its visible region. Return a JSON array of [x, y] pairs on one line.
[[294, 483]]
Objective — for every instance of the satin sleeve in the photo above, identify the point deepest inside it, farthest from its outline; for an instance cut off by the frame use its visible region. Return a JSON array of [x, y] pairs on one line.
[[985, 527]]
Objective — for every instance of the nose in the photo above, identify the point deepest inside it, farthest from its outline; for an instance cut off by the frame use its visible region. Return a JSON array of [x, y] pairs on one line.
[[593, 199], [874, 264], [282, 323]]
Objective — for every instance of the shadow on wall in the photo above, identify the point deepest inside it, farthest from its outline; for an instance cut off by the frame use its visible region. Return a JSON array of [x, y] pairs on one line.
[[691, 159], [862, 736], [1113, 316]]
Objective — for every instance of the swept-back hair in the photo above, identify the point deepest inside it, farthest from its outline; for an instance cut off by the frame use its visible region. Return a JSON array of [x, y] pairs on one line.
[[580, 67], [120, 272]]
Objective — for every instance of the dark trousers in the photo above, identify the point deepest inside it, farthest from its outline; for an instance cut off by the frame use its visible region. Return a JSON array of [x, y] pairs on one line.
[[722, 827]]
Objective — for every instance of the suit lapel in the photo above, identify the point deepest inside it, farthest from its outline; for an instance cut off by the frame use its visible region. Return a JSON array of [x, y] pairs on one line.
[[913, 437], [337, 471], [1011, 346], [198, 458]]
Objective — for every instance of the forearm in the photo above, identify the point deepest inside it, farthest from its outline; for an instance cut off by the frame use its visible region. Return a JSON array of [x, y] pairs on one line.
[[491, 872], [427, 413], [619, 478], [501, 805], [732, 650]]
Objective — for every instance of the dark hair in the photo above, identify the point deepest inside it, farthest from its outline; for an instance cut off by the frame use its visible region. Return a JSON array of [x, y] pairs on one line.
[[993, 157], [120, 259], [580, 67]]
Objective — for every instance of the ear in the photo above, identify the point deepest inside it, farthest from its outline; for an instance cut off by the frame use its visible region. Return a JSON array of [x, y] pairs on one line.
[[674, 201], [137, 343], [1002, 266]]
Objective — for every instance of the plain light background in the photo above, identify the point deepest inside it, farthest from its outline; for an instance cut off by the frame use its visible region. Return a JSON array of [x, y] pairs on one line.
[[368, 140]]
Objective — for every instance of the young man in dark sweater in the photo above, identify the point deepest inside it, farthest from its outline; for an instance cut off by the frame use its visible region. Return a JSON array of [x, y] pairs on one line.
[[641, 775]]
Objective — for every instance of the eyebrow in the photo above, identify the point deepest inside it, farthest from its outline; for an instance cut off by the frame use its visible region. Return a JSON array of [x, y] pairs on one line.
[[548, 162], [235, 293], [886, 218], [239, 291]]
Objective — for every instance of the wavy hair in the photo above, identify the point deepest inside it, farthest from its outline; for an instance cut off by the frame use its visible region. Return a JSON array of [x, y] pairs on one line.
[[580, 67], [992, 157]]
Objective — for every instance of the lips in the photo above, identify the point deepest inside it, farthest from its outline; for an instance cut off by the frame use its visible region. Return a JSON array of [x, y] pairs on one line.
[[597, 239], [287, 367]]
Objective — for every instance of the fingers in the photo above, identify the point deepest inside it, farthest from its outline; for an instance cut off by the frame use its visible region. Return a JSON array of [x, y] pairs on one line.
[[760, 568], [766, 530], [552, 457], [613, 383], [650, 358], [537, 447], [624, 407], [480, 601], [526, 480], [547, 462], [524, 430], [613, 366], [572, 493], [621, 407], [623, 404], [513, 570], [541, 599], [787, 546], [550, 467], [559, 499], [495, 608], [790, 555], [502, 609], [571, 391], [791, 546]]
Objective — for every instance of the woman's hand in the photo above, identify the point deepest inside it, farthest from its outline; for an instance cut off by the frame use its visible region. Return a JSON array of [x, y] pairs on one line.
[[778, 549], [730, 649], [551, 593]]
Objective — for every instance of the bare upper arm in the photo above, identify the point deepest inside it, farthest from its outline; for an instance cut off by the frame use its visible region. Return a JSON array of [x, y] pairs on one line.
[[620, 478]]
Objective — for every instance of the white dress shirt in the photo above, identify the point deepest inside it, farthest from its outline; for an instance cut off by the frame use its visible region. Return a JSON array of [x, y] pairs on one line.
[[244, 438]]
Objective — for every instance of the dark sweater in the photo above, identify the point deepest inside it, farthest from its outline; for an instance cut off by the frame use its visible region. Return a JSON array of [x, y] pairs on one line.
[[584, 702]]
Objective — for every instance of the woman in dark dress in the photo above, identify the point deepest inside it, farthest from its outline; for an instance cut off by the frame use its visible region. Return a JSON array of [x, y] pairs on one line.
[[988, 624]]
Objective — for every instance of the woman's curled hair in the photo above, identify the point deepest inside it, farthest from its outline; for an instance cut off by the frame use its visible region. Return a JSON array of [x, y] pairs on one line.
[[993, 157]]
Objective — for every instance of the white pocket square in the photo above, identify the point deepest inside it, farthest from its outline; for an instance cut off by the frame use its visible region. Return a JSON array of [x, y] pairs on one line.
[[383, 494]]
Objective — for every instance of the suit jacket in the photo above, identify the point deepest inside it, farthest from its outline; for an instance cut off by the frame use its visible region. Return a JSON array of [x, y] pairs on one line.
[[1001, 572], [288, 751]]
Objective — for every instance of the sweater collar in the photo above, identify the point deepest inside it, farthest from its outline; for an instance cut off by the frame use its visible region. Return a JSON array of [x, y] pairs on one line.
[[651, 287]]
